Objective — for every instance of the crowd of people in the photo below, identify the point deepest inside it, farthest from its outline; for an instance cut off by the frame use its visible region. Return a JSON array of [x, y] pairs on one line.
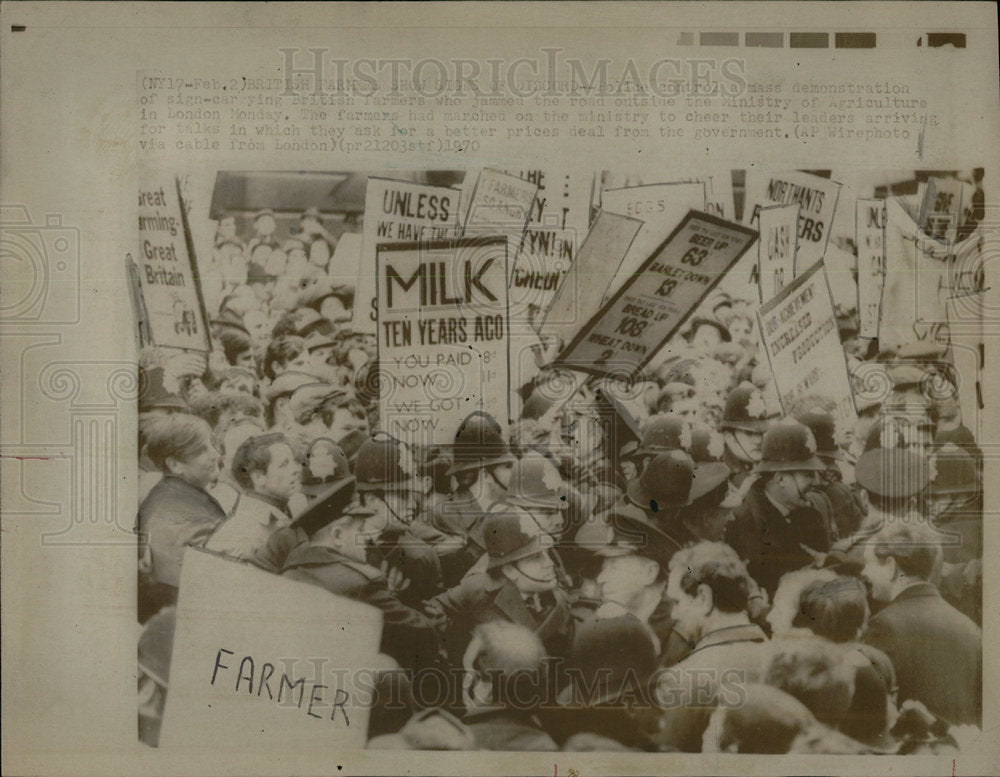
[[677, 565]]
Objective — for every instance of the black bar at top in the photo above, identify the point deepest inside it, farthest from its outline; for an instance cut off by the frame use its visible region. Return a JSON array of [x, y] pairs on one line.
[[938, 39], [773, 40], [809, 40], [719, 39], [854, 40]]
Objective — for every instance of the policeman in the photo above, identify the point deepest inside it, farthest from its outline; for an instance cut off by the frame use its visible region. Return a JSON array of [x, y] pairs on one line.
[[386, 480], [520, 584], [848, 507], [336, 558], [778, 529], [662, 433], [744, 421], [481, 467]]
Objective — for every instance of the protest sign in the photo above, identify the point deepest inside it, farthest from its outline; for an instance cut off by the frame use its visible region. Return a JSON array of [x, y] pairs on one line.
[[544, 258], [631, 327], [718, 192], [397, 212], [581, 292], [776, 248], [500, 204], [661, 207], [259, 659], [815, 196], [167, 278], [558, 221], [799, 331], [869, 236], [443, 335], [941, 208], [349, 253]]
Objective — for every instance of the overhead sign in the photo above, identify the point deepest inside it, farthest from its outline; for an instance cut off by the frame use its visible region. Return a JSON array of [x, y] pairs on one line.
[[167, 278], [443, 335], [660, 207], [580, 295], [398, 212], [869, 236], [628, 331], [259, 659], [799, 331], [776, 248], [815, 196]]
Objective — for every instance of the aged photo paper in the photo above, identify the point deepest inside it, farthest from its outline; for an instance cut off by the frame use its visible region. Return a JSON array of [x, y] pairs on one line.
[[499, 388]]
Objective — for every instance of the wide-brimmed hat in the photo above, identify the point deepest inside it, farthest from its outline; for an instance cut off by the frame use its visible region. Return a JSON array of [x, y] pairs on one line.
[[746, 410], [665, 483], [479, 442], [509, 535], [824, 430], [892, 472], [789, 447], [536, 483], [664, 433], [384, 463]]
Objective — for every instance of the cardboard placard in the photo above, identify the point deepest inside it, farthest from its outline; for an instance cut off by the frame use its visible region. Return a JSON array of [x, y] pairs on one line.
[[443, 335], [259, 659], [718, 192], [660, 206], [776, 248], [167, 276], [799, 331], [398, 212], [629, 330], [941, 208], [580, 295], [500, 204], [869, 236], [815, 196]]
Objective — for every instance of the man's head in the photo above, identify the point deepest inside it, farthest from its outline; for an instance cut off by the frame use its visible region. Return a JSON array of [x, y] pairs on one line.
[[481, 459], [705, 579], [386, 469], [745, 418], [631, 581], [286, 353], [348, 534], [182, 445], [504, 665], [788, 464], [899, 554], [816, 673], [518, 550], [265, 464], [835, 609], [955, 484]]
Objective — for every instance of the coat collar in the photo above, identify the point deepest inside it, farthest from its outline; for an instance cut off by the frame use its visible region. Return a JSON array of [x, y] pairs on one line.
[[746, 632], [917, 590], [180, 485]]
